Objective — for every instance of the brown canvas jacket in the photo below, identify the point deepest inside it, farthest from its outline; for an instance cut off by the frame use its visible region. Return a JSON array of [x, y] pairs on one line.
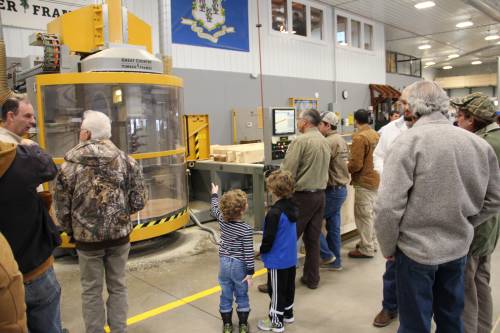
[[361, 162], [12, 306]]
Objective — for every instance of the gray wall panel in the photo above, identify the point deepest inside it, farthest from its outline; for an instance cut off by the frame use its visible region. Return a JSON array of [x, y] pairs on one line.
[[358, 98], [215, 93], [400, 81]]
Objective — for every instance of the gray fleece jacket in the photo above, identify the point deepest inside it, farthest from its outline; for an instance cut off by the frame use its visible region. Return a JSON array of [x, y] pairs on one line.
[[439, 182]]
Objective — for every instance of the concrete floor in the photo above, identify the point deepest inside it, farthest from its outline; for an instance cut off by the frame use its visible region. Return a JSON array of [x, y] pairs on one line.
[[186, 263]]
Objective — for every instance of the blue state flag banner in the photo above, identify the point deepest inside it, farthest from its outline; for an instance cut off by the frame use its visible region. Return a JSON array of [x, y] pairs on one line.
[[211, 23]]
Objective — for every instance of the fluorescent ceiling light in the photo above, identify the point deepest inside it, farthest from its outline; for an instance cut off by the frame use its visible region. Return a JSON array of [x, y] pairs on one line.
[[430, 63], [453, 56], [448, 67], [476, 62], [492, 37], [425, 4], [465, 24], [424, 47]]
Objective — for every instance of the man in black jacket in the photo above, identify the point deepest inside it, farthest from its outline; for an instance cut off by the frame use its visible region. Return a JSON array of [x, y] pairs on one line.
[[30, 231]]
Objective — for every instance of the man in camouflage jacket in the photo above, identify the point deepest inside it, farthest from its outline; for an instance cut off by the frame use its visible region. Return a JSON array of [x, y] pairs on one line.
[[97, 190]]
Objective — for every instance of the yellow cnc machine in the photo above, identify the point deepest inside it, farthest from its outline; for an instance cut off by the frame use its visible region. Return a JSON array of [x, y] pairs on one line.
[[98, 58]]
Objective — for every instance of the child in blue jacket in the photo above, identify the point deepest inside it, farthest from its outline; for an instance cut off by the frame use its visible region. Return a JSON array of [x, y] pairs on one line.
[[279, 251]]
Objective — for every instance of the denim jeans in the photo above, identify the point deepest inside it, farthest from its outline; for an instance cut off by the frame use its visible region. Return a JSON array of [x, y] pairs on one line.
[[330, 246], [43, 309], [231, 274], [390, 301], [425, 291]]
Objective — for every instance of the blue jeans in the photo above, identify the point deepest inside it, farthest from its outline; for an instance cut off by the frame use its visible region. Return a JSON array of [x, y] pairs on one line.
[[43, 309], [330, 246], [390, 301], [231, 275], [425, 291]]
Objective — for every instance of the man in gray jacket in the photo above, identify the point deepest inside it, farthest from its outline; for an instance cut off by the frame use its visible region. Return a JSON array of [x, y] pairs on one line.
[[448, 182]]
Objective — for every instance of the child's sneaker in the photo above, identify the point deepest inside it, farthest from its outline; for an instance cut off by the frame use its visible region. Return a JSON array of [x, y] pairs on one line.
[[288, 316], [227, 328], [267, 325], [244, 328]]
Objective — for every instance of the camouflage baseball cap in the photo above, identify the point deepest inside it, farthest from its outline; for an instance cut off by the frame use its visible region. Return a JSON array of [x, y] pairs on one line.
[[478, 104]]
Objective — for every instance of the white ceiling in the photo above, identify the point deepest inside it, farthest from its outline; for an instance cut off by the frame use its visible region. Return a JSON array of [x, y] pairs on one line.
[[407, 27]]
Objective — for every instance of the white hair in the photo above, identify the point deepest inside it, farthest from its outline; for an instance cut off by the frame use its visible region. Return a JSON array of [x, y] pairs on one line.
[[426, 97], [98, 124]]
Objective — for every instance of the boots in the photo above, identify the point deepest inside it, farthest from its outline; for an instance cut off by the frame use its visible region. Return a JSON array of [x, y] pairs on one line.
[[243, 317], [227, 322]]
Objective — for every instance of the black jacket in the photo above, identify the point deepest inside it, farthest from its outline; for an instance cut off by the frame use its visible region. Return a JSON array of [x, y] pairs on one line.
[[24, 219]]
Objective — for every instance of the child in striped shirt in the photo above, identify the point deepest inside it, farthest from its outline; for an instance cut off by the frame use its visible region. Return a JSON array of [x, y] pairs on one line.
[[236, 256]]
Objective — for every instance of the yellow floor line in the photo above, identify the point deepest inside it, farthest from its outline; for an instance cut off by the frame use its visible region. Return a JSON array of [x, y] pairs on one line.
[[496, 325], [175, 304]]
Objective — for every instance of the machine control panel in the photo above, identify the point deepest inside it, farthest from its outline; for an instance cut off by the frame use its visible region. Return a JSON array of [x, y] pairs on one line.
[[279, 131], [279, 146]]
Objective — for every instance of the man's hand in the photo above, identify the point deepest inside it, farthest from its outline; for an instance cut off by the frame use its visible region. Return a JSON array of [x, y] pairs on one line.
[[215, 188], [248, 280]]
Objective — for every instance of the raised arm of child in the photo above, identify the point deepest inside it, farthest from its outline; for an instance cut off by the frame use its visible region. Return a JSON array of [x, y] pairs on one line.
[[214, 209]]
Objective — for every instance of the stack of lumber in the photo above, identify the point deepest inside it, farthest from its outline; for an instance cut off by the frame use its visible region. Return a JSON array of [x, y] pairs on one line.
[[246, 153]]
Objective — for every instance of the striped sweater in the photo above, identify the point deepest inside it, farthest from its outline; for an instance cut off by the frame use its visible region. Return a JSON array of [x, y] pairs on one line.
[[236, 238]]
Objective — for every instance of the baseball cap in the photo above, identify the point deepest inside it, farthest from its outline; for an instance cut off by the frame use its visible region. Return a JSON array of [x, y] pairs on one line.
[[330, 117], [480, 105]]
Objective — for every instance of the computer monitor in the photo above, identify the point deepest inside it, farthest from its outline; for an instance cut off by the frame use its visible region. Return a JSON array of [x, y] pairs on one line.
[[283, 121]]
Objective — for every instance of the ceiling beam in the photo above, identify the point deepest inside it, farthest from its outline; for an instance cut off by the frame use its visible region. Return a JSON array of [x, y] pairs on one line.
[[487, 7]]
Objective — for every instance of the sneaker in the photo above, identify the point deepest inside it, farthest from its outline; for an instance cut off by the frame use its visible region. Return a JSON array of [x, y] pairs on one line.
[[244, 328], [227, 328], [288, 316], [334, 266], [327, 261], [267, 325]]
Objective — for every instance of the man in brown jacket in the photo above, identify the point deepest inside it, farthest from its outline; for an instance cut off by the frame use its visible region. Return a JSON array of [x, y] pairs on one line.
[[12, 306], [365, 181]]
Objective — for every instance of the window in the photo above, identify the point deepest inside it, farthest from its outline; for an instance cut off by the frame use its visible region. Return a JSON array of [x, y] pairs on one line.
[[368, 36], [403, 64], [355, 33], [299, 19], [390, 62], [342, 30], [280, 15], [316, 23]]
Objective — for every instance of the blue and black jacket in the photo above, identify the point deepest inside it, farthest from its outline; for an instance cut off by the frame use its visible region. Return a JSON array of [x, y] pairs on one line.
[[279, 241]]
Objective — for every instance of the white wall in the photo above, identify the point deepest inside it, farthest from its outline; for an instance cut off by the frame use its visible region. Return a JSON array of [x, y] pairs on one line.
[[283, 55], [361, 66]]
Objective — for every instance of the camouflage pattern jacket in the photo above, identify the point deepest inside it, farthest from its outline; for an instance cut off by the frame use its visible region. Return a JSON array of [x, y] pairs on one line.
[[97, 190]]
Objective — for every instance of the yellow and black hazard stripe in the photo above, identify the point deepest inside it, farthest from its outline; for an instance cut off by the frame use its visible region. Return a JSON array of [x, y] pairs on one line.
[[197, 145], [158, 221], [149, 228]]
